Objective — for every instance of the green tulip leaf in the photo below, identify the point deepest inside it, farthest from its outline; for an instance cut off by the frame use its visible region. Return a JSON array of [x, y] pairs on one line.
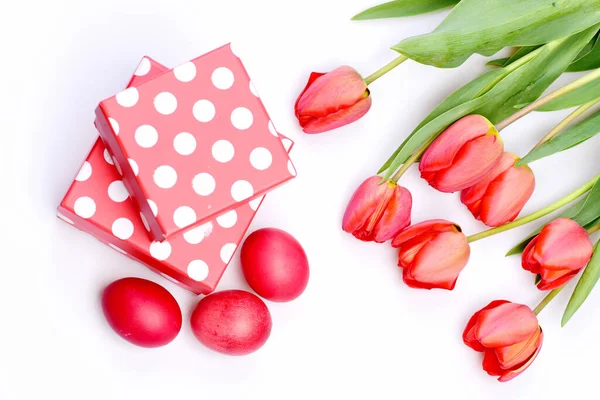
[[461, 96], [576, 98], [584, 287], [404, 8], [584, 212], [498, 62], [529, 82], [590, 59], [487, 26], [538, 279], [495, 93], [572, 137]]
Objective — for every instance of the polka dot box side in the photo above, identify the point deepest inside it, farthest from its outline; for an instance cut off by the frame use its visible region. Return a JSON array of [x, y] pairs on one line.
[[202, 142], [98, 203]]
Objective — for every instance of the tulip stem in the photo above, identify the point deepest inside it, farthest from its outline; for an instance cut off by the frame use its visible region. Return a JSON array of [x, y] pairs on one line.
[[593, 229], [411, 160], [565, 122], [385, 69], [538, 214], [547, 300], [592, 76]]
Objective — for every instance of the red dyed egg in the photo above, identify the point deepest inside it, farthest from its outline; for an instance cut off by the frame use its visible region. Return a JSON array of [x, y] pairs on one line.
[[275, 264], [141, 312], [233, 322]]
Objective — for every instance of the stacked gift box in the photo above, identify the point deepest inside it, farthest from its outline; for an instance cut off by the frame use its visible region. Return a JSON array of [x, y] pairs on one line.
[[184, 159]]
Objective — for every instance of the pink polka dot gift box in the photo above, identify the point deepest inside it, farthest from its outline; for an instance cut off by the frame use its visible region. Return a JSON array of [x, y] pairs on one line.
[[99, 204], [201, 139]]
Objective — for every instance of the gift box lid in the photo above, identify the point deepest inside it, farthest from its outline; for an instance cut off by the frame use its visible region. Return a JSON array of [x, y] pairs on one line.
[[200, 140], [98, 203]]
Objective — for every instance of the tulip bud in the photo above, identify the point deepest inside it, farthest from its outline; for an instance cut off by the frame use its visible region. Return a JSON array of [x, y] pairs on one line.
[[509, 336], [377, 212], [501, 195], [462, 155], [432, 254], [331, 100], [561, 249]]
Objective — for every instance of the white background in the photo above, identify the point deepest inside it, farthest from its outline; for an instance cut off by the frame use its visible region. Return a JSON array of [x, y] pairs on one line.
[[357, 331]]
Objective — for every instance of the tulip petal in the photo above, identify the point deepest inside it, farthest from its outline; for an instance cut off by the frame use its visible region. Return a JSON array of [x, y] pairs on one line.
[[505, 325], [474, 160], [435, 225], [362, 204], [513, 373], [396, 216], [555, 278], [469, 333], [490, 363], [409, 249], [331, 92], [337, 119], [511, 356], [439, 262], [506, 196], [311, 79], [472, 196], [442, 152], [563, 243], [528, 260]]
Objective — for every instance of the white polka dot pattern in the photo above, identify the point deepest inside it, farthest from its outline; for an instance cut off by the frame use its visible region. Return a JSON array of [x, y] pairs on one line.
[[146, 136], [114, 124], [143, 67], [204, 184], [165, 103], [228, 219], [227, 252], [261, 158], [204, 110], [184, 216], [223, 151], [184, 143], [160, 250], [234, 170], [197, 270], [122, 228], [85, 207], [241, 190], [165, 176], [185, 72], [84, 172], [222, 78], [117, 192], [134, 166], [128, 97], [242, 118]]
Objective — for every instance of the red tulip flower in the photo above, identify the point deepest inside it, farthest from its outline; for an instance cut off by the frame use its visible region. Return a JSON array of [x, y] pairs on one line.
[[508, 335], [331, 100], [432, 254], [462, 155], [501, 195], [377, 212], [558, 253]]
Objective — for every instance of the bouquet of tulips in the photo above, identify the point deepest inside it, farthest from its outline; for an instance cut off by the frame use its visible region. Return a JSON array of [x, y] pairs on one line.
[[459, 148]]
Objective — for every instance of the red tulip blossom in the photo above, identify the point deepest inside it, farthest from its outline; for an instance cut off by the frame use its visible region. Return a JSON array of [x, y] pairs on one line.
[[331, 100], [377, 211], [462, 155], [558, 253], [508, 335], [500, 196], [432, 254]]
